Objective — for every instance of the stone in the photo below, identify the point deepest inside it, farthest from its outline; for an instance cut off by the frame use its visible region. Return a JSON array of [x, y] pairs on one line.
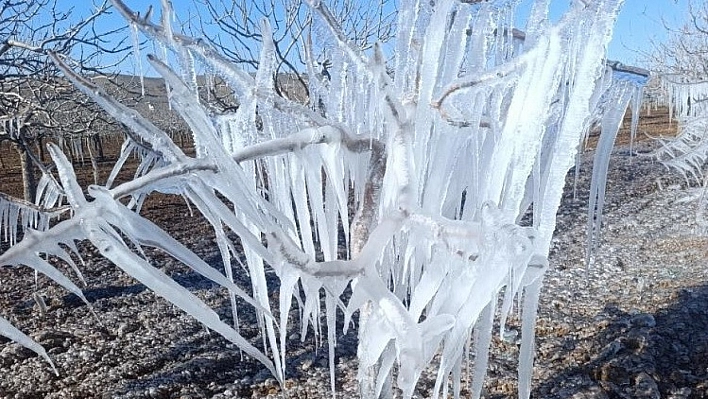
[[645, 387]]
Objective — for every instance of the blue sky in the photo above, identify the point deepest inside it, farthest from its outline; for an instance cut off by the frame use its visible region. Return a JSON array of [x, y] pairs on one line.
[[642, 21], [639, 23]]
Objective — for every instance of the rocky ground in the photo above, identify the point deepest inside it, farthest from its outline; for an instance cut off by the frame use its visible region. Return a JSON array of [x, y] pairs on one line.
[[635, 323], [632, 325]]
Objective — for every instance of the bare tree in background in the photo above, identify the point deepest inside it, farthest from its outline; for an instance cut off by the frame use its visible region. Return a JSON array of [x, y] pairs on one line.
[[36, 103], [680, 66], [233, 28], [684, 54], [681, 61]]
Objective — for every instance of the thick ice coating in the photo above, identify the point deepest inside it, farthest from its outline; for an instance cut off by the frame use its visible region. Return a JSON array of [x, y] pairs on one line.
[[406, 177]]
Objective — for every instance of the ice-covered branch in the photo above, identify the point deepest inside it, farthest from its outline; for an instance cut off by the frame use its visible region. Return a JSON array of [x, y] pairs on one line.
[[365, 259], [161, 175], [19, 44], [242, 81], [620, 67], [17, 213], [475, 79], [352, 52], [297, 141], [295, 257], [20, 203], [445, 230], [291, 143], [159, 140]]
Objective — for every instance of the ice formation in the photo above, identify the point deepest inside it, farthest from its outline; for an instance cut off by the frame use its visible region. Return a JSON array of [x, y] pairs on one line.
[[439, 154], [16, 214], [621, 88], [687, 153]]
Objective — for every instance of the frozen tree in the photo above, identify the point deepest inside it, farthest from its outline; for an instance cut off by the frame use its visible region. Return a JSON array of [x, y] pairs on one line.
[[233, 28], [682, 57], [428, 185], [36, 103], [680, 66]]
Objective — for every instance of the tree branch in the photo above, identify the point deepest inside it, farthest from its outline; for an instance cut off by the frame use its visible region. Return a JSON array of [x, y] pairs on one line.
[[51, 212]]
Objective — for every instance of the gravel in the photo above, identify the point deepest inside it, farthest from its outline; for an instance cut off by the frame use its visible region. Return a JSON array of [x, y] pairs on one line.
[[634, 324]]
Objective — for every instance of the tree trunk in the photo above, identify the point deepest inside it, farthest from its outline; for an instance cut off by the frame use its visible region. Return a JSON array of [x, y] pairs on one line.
[[94, 164], [98, 145], [29, 182], [362, 225], [40, 149]]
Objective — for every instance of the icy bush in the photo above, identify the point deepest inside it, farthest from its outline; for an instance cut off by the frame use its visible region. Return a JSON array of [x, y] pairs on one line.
[[686, 95], [680, 74], [686, 153], [439, 152]]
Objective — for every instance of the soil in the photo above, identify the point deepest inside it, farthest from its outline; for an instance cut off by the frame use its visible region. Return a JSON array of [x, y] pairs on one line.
[[634, 324]]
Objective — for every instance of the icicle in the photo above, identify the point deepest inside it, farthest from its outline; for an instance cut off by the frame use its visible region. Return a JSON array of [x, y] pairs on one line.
[[166, 19], [637, 100], [9, 331], [531, 295], [210, 86], [13, 212], [189, 71], [482, 341], [331, 300], [614, 103], [136, 54]]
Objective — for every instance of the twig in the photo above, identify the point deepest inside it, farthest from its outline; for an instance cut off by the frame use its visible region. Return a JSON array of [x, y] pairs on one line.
[[218, 62], [167, 172], [51, 212]]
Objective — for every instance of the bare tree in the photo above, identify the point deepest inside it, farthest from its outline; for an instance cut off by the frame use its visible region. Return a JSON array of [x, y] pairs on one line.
[[233, 27], [683, 55], [680, 68], [36, 102]]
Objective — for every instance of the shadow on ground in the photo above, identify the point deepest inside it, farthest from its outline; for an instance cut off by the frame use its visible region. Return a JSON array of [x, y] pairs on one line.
[[660, 355]]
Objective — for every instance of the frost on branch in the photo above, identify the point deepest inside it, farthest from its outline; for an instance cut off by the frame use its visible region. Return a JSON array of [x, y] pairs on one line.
[[405, 180]]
